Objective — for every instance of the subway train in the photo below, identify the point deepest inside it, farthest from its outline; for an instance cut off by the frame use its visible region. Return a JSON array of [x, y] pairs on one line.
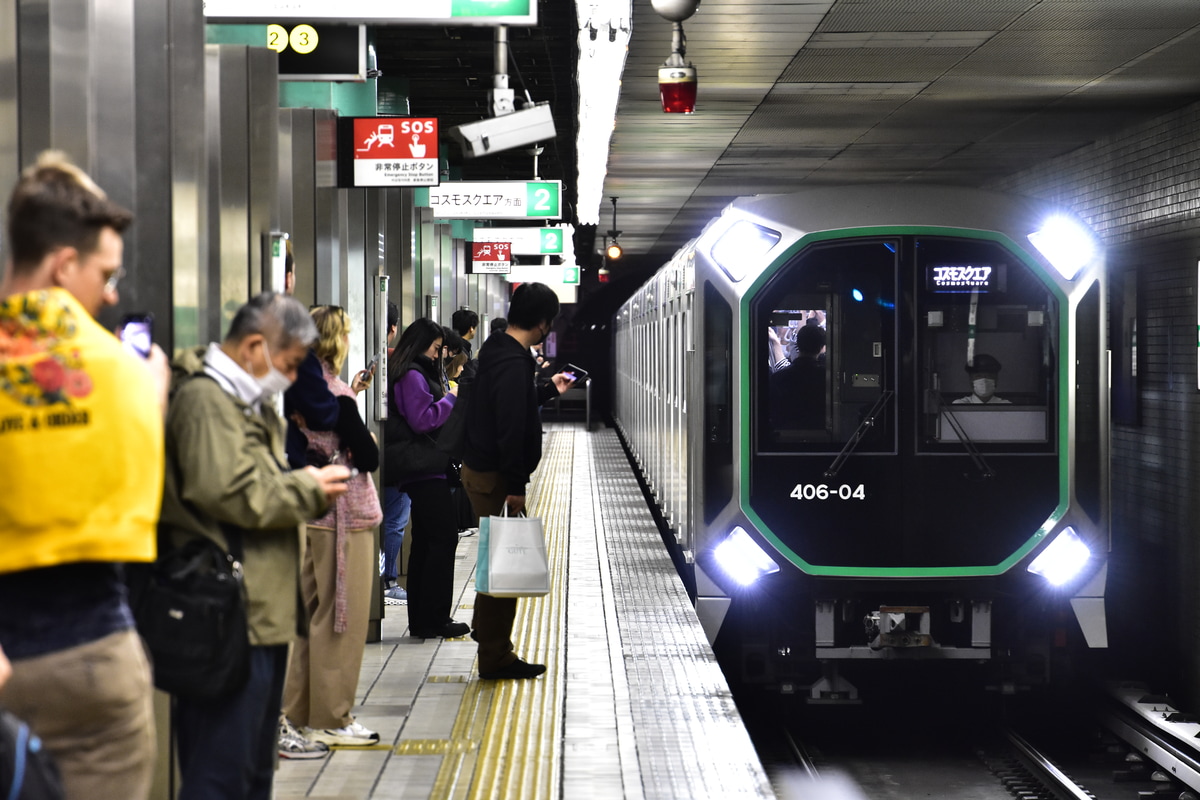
[[875, 422]]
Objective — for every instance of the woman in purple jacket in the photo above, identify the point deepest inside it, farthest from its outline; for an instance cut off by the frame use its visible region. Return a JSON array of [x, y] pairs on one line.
[[418, 407]]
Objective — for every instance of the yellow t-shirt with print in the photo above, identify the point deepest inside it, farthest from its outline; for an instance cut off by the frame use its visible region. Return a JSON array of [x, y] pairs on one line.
[[81, 439]]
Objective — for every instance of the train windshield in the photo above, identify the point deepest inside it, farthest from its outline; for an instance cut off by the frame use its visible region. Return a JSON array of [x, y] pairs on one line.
[[986, 347], [827, 321], [967, 361]]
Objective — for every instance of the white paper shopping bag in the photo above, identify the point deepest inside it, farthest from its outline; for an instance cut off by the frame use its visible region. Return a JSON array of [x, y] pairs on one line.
[[512, 557]]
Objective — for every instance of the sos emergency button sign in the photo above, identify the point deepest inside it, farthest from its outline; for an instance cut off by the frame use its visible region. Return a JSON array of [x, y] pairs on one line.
[[395, 151]]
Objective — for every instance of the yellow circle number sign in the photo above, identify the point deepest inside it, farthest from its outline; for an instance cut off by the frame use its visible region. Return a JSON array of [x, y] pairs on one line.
[[303, 39], [277, 38]]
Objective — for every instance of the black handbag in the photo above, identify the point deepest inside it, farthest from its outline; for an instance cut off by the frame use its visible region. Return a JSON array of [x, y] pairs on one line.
[[192, 614]]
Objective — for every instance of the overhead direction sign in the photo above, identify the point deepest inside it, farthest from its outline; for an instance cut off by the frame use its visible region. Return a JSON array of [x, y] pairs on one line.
[[391, 151], [526, 241], [497, 200], [396, 12]]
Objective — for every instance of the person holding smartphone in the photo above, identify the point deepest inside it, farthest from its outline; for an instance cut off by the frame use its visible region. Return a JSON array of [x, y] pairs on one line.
[[225, 447], [82, 474], [335, 574], [504, 446]]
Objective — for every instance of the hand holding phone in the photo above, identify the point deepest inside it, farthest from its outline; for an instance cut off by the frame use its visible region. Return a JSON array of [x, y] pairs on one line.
[[137, 333], [576, 374]]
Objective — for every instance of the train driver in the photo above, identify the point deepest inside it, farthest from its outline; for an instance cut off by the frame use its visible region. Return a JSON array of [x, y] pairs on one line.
[[983, 372]]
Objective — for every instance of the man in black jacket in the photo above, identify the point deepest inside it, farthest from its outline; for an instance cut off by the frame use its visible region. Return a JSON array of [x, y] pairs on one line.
[[504, 446]]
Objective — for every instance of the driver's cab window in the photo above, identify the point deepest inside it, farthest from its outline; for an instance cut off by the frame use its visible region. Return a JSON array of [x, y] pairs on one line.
[[987, 343], [823, 331]]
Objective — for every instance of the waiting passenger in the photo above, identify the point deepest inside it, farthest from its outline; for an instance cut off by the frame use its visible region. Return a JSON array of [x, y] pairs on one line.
[[497, 325], [225, 456], [335, 574], [81, 423], [504, 446], [797, 392], [465, 322], [396, 507], [983, 373], [418, 406]]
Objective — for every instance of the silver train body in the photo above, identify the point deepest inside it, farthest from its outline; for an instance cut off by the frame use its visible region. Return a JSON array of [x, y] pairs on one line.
[[803, 388]]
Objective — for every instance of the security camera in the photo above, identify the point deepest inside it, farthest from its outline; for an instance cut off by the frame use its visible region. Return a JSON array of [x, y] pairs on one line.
[[520, 128]]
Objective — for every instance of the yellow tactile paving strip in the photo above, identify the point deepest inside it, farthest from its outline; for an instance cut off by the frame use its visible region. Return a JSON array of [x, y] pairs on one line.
[[507, 734]]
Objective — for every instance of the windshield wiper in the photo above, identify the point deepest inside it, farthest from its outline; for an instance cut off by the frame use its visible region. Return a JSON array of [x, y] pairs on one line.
[[967, 443], [859, 433]]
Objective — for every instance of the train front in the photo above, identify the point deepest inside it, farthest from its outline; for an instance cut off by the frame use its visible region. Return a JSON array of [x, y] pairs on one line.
[[903, 434]]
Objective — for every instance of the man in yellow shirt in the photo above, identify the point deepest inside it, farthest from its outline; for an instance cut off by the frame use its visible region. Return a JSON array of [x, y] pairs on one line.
[[81, 427]]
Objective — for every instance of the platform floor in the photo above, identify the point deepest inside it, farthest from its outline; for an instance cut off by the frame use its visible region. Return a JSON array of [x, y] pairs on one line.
[[632, 705]]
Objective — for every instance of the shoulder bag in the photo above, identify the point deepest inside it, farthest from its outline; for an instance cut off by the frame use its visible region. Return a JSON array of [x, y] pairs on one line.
[[192, 615]]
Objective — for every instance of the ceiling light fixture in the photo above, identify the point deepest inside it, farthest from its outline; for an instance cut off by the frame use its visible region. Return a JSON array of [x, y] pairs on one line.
[[614, 250], [676, 77]]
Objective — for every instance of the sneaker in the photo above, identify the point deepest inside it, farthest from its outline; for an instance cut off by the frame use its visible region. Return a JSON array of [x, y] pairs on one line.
[[395, 596], [517, 670], [352, 734], [292, 743]]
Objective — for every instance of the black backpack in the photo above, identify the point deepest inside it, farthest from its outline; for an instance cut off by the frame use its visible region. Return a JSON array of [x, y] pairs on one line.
[[26, 770]]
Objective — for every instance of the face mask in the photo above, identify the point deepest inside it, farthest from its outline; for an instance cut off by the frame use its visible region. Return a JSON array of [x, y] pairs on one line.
[[274, 381], [984, 387]]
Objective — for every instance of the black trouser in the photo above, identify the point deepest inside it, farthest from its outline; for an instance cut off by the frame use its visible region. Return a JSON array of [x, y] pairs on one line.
[[431, 560], [227, 746]]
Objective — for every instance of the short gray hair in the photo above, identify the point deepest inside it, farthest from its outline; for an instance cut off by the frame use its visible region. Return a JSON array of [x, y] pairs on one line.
[[283, 320]]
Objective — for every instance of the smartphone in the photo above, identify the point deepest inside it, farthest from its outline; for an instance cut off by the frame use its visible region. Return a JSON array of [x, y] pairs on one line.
[[371, 366], [575, 373], [137, 333]]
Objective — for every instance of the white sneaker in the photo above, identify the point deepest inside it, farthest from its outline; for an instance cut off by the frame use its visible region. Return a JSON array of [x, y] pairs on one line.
[[353, 734], [292, 743]]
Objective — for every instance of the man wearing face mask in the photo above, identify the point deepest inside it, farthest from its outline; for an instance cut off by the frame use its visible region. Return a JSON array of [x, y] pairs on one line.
[[983, 372], [227, 467]]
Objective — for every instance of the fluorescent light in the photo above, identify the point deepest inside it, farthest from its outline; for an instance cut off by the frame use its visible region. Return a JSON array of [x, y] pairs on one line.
[[1063, 559], [603, 44], [1066, 244], [741, 243], [742, 559]]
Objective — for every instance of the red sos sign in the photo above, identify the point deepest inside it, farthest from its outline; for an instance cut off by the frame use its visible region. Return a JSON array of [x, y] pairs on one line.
[[395, 138]]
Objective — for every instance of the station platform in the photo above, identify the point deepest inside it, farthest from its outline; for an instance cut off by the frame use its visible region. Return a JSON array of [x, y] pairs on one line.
[[632, 705]]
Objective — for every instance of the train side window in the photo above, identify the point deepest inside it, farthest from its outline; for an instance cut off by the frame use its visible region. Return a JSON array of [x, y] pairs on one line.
[[986, 346], [822, 333]]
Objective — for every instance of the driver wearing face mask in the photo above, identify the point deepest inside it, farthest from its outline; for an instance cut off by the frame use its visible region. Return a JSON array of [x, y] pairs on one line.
[[983, 372]]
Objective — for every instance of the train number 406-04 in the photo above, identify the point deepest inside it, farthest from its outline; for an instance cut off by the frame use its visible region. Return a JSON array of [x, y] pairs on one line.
[[823, 491]]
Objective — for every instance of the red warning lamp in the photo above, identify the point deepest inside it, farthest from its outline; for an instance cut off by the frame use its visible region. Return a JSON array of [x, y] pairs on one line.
[[677, 89], [676, 77]]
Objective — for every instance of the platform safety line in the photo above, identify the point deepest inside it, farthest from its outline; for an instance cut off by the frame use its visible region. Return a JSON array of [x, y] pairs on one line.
[[520, 752], [490, 751]]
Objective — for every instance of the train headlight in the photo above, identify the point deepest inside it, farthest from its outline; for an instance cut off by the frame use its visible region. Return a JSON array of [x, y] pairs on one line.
[[741, 244], [742, 559], [1063, 558], [1065, 244]]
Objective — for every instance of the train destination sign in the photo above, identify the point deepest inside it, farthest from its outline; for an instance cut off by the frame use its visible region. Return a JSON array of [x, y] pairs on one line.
[[497, 200], [395, 12], [392, 151], [965, 277], [526, 241]]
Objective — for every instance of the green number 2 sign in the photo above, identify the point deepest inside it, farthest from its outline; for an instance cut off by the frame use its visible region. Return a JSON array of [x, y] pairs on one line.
[[542, 200]]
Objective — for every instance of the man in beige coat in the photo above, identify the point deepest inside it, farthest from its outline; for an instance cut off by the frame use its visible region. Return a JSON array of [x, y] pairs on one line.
[[226, 466]]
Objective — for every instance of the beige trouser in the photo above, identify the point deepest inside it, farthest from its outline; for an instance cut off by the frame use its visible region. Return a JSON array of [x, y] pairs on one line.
[[93, 707], [323, 669]]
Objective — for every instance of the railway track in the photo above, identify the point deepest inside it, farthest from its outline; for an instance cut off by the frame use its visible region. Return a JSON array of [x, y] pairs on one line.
[[1131, 744]]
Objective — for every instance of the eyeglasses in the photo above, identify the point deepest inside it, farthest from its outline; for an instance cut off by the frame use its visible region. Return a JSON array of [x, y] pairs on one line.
[[110, 285]]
